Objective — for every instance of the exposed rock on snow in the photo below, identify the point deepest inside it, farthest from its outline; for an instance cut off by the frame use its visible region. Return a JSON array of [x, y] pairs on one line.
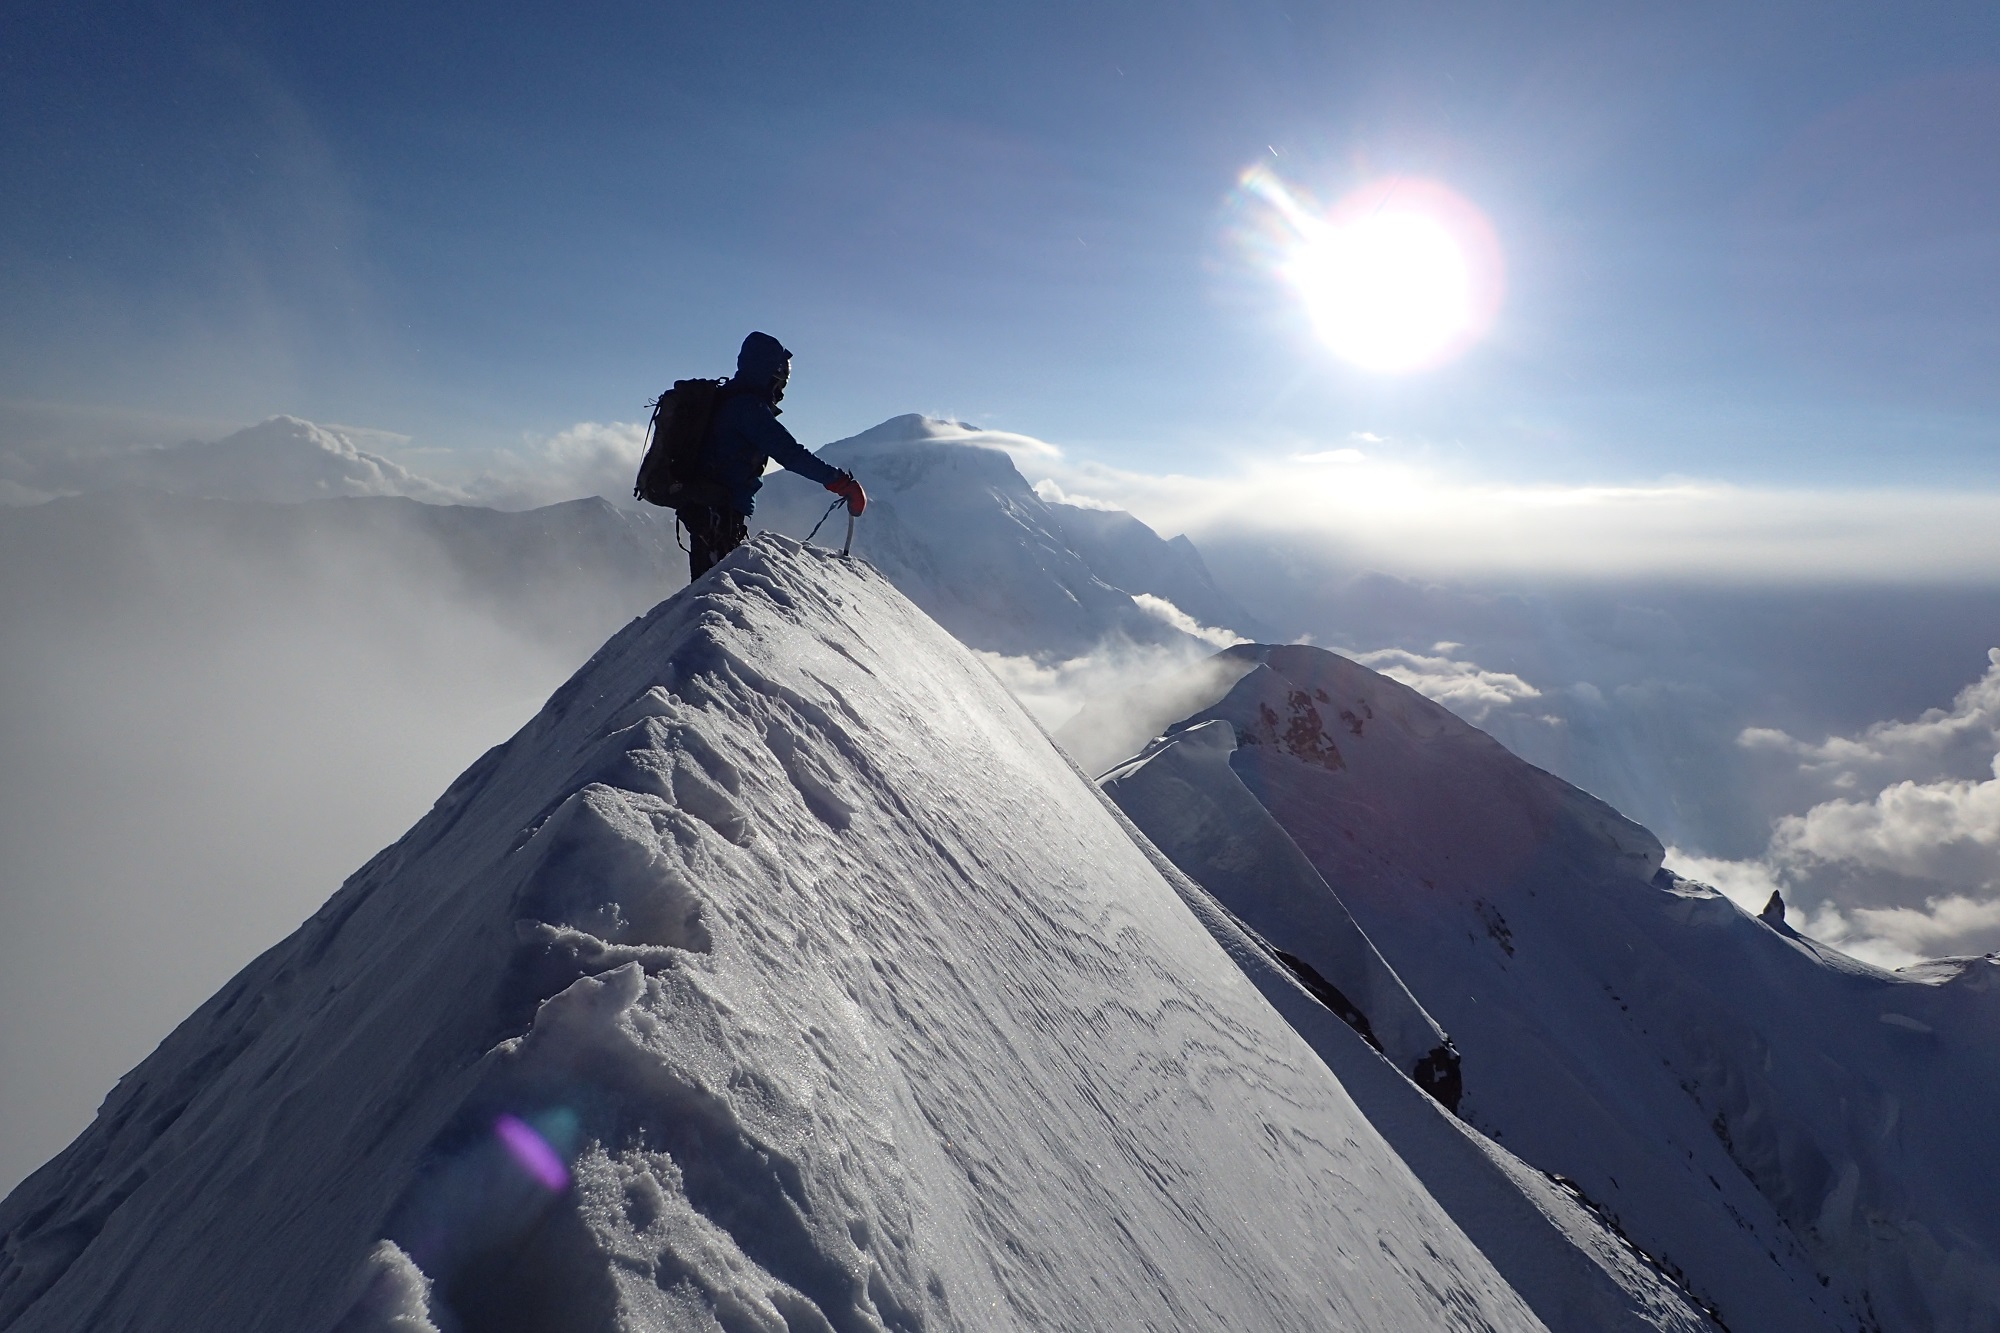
[[778, 974]]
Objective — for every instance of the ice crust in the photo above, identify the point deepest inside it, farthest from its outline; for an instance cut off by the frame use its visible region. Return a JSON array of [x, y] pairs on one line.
[[842, 1000], [1798, 1138]]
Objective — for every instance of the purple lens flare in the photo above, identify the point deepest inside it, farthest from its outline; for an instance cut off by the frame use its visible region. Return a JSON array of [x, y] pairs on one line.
[[532, 1153]]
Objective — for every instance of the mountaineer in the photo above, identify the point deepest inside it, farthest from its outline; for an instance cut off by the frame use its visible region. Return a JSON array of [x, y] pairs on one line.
[[711, 443]]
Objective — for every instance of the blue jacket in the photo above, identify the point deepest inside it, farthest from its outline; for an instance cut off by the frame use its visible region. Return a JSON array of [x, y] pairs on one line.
[[745, 435]]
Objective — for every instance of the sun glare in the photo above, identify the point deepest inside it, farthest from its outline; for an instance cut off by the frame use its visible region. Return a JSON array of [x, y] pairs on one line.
[[1400, 275]]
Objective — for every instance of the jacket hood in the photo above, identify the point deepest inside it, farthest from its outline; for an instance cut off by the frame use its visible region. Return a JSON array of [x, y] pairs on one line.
[[762, 357]]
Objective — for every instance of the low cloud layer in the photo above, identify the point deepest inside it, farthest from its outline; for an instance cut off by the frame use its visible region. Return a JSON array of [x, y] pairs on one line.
[[1164, 611], [590, 458], [1353, 504], [1905, 862], [287, 460], [211, 714], [1363, 510], [1054, 692]]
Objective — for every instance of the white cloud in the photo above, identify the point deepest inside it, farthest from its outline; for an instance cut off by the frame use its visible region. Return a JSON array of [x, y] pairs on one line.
[[1056, 495], [589, 458], [1909, 867], [289, 460], [14, 495], [374, 435], [1053, 692], [1159, 608], [1026, 450], [1466, 688], [1887, 937], [1911, 750], [1947, 830], [281, 459], [1940, 925], [1828, 923], [1350, 504]]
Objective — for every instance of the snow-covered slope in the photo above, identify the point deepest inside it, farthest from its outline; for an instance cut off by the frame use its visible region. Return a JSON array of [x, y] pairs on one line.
[[1186, 798], [779, 974], [1802, 1138], [958, 529]]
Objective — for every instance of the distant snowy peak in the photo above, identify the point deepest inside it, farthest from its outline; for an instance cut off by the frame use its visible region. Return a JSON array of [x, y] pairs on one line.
[[283, 459], [952, 521], [915, 427]]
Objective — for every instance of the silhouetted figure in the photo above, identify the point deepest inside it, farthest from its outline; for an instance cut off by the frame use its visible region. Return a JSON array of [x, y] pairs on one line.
[[743, 437]]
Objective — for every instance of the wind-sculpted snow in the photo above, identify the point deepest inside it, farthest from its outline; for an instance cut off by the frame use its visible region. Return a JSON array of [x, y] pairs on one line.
[[778, 975], [1800, 1139], [1184, 796]]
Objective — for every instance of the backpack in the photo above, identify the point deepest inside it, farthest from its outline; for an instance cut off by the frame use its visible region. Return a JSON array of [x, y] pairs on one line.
[[670, 474]]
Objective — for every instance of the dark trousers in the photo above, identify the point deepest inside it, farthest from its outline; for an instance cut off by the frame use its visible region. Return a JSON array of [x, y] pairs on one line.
[[712, 534]]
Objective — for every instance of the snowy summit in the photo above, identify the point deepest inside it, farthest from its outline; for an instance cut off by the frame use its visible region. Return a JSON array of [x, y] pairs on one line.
[[959, 530]]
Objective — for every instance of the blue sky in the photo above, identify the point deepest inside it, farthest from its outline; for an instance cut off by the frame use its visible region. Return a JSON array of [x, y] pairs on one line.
[[1754, 244]]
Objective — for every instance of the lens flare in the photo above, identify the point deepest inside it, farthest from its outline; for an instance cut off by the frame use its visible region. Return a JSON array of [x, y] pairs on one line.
[[1400, 275], [532, 1153]]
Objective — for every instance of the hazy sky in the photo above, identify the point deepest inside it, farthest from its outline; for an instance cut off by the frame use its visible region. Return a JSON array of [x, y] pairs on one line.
[[1748, 243]]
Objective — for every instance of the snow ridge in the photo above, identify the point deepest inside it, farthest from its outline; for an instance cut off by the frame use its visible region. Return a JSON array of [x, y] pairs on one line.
[[779, 974]]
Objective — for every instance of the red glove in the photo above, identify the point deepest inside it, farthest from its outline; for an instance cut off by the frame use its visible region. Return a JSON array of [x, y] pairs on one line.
[[848, 489]]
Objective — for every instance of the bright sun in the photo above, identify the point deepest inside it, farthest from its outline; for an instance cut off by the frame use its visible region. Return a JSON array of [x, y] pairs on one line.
[[1400, 275]]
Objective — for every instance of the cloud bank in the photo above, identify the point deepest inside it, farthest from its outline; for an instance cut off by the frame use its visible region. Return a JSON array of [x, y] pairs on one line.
[[1905, 866], [291, 461], [1349, 503], [1368, 511], [212, 712]]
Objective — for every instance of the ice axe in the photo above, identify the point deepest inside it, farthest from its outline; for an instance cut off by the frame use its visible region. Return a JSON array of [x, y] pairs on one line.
[[847, 546], [846, 491]]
